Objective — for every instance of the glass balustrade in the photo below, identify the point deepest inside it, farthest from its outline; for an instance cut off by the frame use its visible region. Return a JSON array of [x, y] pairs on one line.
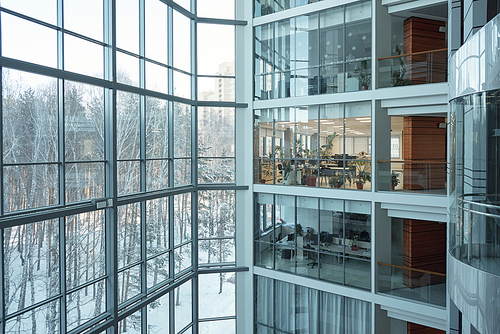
[[409, 283], [413, 69], [414, 176]]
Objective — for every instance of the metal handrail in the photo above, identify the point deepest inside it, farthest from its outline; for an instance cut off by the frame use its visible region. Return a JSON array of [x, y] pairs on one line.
[[489, 206], [413, 54], [413, 269], [414, 161]]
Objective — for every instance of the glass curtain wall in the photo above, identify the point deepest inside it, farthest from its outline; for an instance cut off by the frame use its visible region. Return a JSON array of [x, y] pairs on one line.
[[319, 53], [325, 146], [327, 239], [282, 307], [103, 148]]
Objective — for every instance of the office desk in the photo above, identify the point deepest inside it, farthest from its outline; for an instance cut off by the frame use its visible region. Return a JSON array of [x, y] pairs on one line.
[[337, 247]]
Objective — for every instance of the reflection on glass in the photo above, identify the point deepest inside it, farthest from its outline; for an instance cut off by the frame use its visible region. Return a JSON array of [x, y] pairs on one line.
[[334, 58], [84, 181], [83, 122]]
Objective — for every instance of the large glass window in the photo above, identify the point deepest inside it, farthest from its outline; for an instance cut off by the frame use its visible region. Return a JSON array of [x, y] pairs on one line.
[[100, 213], [328, 239], [325, 146], [320, 53]]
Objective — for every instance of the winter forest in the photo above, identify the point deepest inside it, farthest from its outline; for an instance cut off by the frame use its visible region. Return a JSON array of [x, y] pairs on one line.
[[55, 152]]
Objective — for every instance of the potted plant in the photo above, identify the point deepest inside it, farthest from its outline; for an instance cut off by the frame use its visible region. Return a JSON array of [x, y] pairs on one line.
[[353, 243], [364, 75], [362, 171], [336, 180], [361, 178], [394, 180]]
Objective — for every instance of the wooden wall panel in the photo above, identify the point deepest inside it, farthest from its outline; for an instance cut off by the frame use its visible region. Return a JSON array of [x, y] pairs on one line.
[[424, 247], [413, 328], [423, 35], [424, 140]]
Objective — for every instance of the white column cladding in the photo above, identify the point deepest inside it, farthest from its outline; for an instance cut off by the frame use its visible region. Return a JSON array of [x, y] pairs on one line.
[[244, 166]]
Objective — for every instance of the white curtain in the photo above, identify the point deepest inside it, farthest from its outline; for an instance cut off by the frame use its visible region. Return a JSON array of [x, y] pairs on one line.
[[358, 316], [313, 299], [264, 304], [306, 310], [296, 309], [284, 307], [331, 314]]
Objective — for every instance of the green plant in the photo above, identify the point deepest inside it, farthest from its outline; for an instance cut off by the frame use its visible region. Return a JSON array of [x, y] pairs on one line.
[[353, 241], [398, 76], [299, 230], [394, 179], [287, 169], [326, 148], [363, 176], [362, 170], [336, 180], [311, 154], [363, 73]]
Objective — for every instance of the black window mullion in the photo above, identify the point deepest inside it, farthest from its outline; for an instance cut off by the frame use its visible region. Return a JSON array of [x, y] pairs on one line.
[[62, 167]]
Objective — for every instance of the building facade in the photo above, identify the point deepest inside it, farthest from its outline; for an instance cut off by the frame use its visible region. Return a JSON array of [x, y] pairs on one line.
[[234, 166]]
